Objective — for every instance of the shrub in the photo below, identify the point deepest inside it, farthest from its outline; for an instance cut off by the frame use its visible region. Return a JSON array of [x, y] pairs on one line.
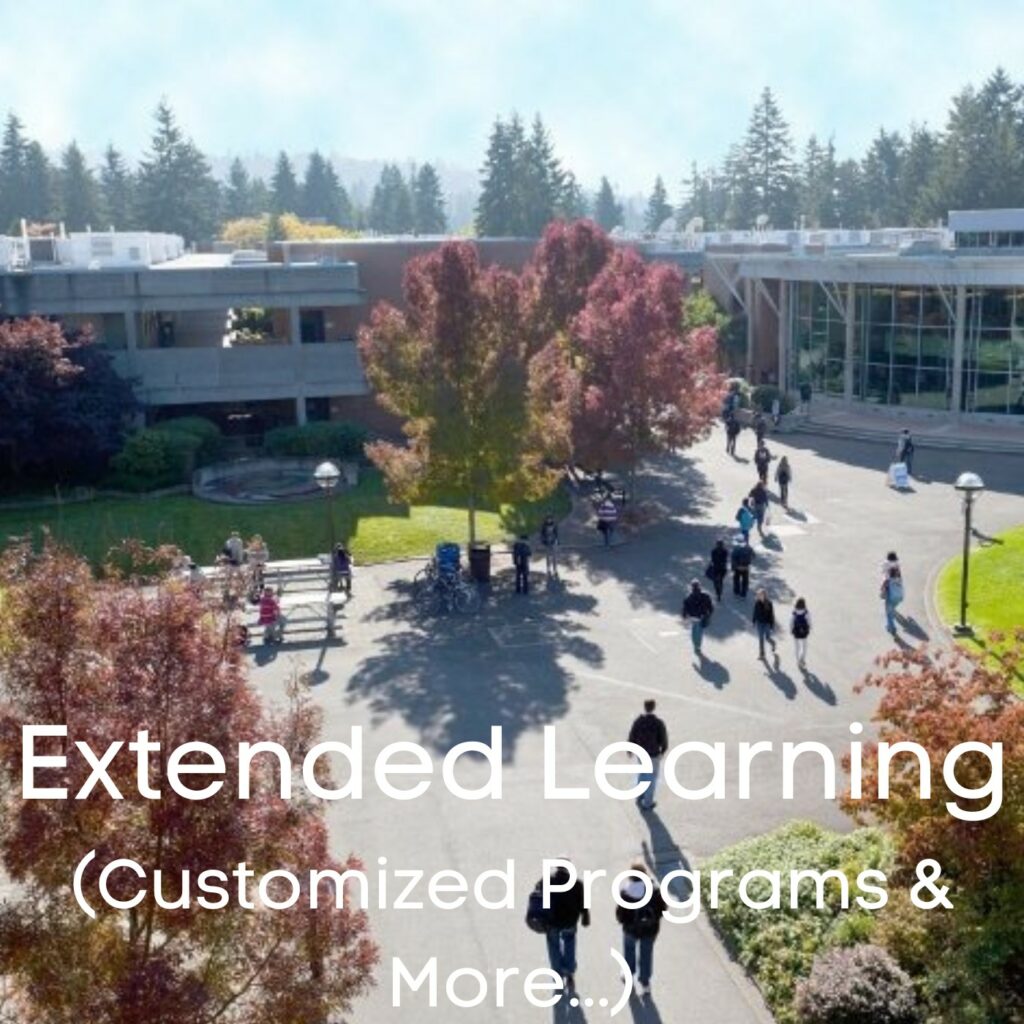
[[211, 440], [778, 947], [155, 458], [763, 395], [328, 440], [862, 985]]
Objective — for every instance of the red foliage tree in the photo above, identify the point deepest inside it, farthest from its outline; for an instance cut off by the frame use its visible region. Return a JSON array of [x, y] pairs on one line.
[[645, 384], [558, 277], [456, 368], [107, 660], [940, 699], [62, 406]]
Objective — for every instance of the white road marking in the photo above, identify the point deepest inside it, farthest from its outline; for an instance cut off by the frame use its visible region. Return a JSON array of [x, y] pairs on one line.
[[681, 697]]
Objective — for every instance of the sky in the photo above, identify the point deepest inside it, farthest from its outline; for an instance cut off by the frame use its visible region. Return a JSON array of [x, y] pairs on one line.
[[628, 89]]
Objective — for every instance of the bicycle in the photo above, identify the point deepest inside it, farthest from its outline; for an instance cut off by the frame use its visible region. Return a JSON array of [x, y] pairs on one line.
[[450, 592]]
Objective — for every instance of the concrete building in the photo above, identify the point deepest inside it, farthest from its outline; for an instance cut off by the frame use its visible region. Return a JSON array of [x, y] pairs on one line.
[[929, 321], [249, 342]]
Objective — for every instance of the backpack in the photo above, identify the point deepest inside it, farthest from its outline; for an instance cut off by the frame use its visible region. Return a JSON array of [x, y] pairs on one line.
[[645, 920], [801, 627], [538, 916]]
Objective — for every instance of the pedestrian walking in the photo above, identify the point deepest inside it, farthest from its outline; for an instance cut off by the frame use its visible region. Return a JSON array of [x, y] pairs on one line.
[[270, 617], [745, 518], [805, 398], [697, 610], [718, 567], [640, 918], [784, 477], [649, 733], [762, 460], [760, 427], [521, 561], [607, 520], [732, 432], [800, 628], [764, 621], [776, 411], [759, 505], [341, 570], [740, 557], [905, 450], [566, 912], [549, 541], [891, 591]]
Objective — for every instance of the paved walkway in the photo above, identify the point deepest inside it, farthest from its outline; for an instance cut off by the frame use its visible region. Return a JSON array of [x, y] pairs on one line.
[[582, 656]]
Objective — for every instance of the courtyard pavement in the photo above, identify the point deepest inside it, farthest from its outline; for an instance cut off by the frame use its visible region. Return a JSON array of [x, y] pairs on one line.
[[582, 656]]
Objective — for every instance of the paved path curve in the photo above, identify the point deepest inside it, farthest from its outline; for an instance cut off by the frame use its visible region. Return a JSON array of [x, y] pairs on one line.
[[583, 657]]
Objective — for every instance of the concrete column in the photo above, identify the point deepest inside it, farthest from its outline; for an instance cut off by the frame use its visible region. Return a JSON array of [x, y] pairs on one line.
[[958, 349], [294, 325], [131, 333], [785, 339], [300, 411], [748, 301], [851, 337]]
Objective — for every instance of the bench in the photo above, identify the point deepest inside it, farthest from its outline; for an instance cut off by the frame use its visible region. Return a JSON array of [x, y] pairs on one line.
[[310, 611]]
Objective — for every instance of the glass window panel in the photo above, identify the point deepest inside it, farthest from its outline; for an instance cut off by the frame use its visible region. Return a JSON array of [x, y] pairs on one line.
[[803, 299], [834, 377], [933, 390], [878, 343], [881, 305], [996, 307], [933, 308], [994, 351], [904, 382], [836, 339], [992, 392], [908, 306], [936, 347], [877, 389], [904, 345]]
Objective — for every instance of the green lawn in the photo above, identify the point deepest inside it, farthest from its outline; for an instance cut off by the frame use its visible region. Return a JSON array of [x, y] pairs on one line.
[[375, 528], [996, 597]]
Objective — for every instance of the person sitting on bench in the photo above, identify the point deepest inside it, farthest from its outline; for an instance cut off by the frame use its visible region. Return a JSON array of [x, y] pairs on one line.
[[271, 618]]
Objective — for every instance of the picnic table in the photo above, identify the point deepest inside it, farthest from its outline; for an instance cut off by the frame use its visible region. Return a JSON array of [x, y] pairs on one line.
[[306, 611]]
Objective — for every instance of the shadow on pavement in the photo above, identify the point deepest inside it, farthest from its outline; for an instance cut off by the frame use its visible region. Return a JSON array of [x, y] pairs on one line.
[[453, 677], [563, 1012], [644, 1009], [821, 690]]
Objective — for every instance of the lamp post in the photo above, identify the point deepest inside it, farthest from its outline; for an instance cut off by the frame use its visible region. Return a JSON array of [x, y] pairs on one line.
[[970, 485], [327, 475]]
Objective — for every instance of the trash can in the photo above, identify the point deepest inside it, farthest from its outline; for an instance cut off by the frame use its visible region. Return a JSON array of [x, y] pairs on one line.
[[480, 562]]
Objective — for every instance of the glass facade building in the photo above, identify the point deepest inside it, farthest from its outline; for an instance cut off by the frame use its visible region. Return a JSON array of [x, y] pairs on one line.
[[902, 350]]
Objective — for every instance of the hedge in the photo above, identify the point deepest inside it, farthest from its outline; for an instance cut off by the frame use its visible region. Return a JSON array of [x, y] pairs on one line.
[[778, 947], [155, 458], [211, 440], [328, 439]]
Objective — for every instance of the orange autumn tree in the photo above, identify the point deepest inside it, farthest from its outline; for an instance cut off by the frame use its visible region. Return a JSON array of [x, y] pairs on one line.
[[972, 956], [107, 660]]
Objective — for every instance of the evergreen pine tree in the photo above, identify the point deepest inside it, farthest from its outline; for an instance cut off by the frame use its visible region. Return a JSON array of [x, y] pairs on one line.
[[317, 197], [39, 184], [238, 193], [390, 211], [259, 197], [607, 209], [540, 178], [13, 154], [428, 203], [496, 207], [572, 203], [851, 205], [698, 199], [740, 196], [79, 196], [658, 207], [284, 189], [175, 190], [881, 173], [116, 190], [340, 205], [768, 156]]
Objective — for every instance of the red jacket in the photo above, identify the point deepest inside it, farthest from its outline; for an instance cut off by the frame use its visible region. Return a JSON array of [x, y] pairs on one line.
[[270, 610]]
